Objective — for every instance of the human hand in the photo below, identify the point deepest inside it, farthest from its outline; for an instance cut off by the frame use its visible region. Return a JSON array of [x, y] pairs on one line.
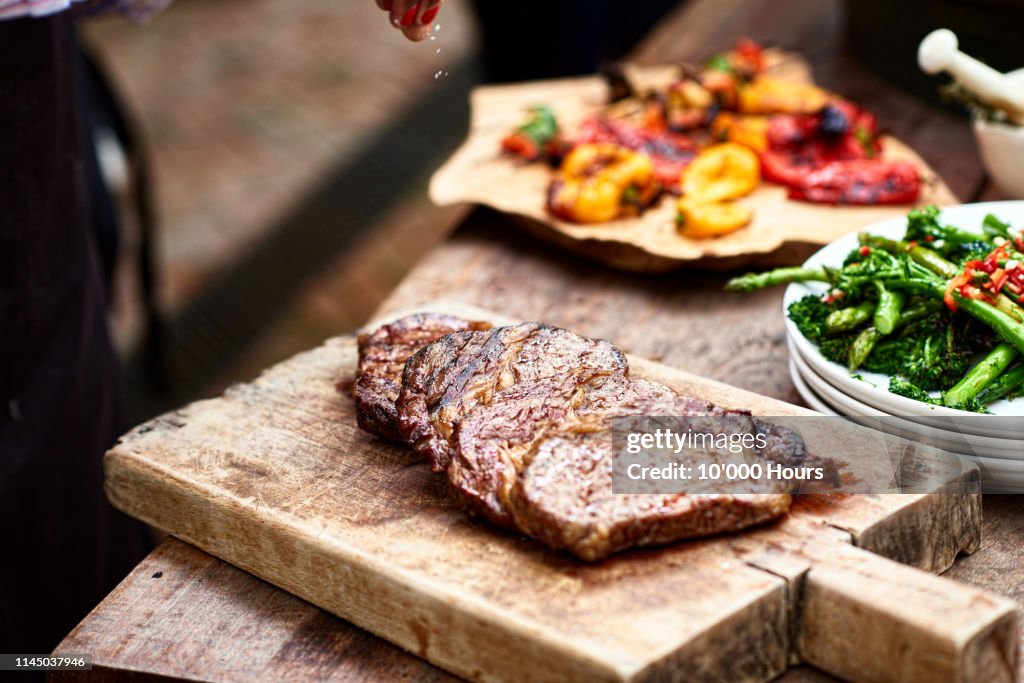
[[414, 18]]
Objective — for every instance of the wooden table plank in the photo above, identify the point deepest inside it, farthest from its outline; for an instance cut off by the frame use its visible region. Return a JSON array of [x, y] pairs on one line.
[[204, 618], [183, 614]]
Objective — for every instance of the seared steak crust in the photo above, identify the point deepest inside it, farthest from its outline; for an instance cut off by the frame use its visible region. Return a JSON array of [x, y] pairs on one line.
[[447, 380], [382, 357]]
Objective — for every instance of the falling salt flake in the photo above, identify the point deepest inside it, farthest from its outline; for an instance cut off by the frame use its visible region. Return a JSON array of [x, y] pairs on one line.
[[437, 51], [725, 565], [441, 73]]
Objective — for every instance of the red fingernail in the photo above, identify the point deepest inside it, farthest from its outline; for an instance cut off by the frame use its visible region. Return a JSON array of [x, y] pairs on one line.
[[410, 15], [430, 15]]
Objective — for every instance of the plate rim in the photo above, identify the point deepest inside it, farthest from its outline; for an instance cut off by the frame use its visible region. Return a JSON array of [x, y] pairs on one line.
[[976, 441]]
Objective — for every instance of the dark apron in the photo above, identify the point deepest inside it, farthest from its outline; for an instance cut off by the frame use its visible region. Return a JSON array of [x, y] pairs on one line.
[[63, 546]]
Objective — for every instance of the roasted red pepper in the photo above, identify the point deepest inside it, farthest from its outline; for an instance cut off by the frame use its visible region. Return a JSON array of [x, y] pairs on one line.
[[959, 284], [831, 158], [789, 167], [841, 129], [860, 181], [748, 56]]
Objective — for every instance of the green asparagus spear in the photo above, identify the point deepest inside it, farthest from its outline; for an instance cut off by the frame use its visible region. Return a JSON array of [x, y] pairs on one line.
[[981, 375], [918, 310], [926, 257], [862, 347], [994, 227], [849, 318], [780, 276], [1007, 383], [887, 313]]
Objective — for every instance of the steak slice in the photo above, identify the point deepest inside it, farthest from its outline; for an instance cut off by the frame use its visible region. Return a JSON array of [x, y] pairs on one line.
[[449, 379], [490, 444], [382, 357], [563, 496]]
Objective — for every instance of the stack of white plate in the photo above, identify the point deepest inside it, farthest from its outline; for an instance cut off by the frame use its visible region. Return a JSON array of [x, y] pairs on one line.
[[996, 444]]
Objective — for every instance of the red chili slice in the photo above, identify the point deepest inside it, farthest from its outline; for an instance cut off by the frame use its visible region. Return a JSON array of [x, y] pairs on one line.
[[957, 284]]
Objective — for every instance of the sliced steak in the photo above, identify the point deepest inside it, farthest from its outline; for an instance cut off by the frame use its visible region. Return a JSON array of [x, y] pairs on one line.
[[449, 379], [382, 357], [563, 495], [519, 418], [489, 445]]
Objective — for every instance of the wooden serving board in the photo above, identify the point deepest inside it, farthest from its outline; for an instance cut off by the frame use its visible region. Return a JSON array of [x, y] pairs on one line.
[[275, 477], [783, 231]]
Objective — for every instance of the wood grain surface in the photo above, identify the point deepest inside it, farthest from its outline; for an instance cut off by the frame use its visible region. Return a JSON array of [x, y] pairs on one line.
[[183, 614], [276, 478], [783, 232]]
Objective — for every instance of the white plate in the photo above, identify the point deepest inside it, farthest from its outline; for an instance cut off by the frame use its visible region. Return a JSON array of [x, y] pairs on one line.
[[999, 475], [814, 401], [1004, 429], [873, 388], [955, 442]]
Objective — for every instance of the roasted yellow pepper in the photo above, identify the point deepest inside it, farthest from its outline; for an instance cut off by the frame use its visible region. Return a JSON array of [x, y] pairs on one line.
[[601, 182], [765, 95], [719, 174], [711, 219], [751, 130], [722, 172]]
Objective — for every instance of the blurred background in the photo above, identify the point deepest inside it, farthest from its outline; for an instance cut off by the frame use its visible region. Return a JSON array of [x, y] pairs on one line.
[[285, 150], [289, 147]]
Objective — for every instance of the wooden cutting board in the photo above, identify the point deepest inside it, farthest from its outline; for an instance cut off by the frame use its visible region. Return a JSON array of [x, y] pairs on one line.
[[783, 231], [275, 478]]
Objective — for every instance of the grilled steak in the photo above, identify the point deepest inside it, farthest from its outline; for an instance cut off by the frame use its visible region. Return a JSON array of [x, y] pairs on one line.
[[519, 418], [563, 495], [517, 462], [448, 379], [382, 357], [490, 444]]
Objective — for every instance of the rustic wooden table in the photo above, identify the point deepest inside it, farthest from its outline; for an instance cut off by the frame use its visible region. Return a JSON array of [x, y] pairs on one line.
[[183, 614]]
